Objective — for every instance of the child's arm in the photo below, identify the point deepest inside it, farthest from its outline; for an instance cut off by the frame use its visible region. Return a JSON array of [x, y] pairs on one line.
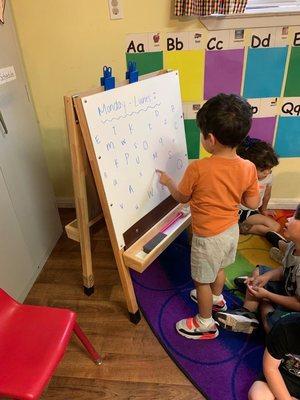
[[250, 201], [250, 197], [274, 377], [290, 302], [275, 274], [265, 200], [165, 180]]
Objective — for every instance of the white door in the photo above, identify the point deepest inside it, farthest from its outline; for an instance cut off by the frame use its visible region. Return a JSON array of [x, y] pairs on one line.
[[16, 264], [21, 156]]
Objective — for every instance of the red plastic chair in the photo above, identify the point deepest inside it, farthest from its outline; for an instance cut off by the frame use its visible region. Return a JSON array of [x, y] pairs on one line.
[[33, 339]]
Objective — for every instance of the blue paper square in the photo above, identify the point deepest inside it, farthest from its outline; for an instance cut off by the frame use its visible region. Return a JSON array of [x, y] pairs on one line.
[[287, 142]]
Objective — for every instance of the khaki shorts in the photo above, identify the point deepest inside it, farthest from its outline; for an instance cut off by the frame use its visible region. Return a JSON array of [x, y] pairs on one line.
[[210, 254]]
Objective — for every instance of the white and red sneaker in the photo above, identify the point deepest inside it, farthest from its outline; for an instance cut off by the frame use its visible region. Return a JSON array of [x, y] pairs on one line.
[[191, 328], [219, 306]]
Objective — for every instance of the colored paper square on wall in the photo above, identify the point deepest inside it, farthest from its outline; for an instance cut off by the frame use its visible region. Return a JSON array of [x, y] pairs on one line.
[[263, 129], [223, 72], [264, 72], [190, 64], [292, 86], [146, 62], [287, 142], [192, 136], [203, 152]]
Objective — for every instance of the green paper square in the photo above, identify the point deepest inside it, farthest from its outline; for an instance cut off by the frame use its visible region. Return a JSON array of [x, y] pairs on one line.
[[146, 62], [192, 136]]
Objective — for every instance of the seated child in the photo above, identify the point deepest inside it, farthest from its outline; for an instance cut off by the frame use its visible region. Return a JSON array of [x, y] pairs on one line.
[[261, 153], [275, 291], [281, 362]]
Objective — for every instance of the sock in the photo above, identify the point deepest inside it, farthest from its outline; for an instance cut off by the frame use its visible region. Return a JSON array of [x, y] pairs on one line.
[[217, 299], [204, 321]]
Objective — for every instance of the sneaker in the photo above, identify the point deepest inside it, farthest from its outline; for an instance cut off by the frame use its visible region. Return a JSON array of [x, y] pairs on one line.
[[274, 237], [240, 283], [219, 306], [191, 328], [239, 320], [276, 255]]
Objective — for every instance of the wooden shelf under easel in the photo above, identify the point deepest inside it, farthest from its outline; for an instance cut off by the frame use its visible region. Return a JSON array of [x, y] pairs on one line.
[[137, 259]]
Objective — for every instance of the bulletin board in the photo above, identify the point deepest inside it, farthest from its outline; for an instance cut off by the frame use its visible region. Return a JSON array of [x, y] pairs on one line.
[[134, 130], [261, 64]]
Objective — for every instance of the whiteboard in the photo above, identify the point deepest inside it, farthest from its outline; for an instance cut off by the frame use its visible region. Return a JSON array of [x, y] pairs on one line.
[[136, 129]]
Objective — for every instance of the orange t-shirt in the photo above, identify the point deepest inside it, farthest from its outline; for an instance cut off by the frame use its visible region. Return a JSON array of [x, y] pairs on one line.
[[216, 186]]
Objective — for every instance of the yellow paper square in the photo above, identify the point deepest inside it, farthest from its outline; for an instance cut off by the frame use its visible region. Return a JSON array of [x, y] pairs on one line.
[[190, 64]]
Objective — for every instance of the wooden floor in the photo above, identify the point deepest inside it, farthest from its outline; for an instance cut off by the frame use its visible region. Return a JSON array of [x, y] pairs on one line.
[[135, 365]]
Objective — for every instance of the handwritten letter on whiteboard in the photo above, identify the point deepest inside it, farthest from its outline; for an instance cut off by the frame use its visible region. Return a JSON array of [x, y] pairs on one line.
[[134, 130]]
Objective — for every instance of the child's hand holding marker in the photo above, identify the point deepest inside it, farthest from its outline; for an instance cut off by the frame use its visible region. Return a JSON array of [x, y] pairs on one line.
[[164, 178], [167, 181]]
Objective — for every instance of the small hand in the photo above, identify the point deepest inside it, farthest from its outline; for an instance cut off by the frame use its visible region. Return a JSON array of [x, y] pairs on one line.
[[164, 178], [258, 292], [256, 281], [260, 280]]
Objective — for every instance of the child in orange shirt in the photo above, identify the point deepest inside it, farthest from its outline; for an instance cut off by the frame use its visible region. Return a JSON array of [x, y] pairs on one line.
[[215, 187]]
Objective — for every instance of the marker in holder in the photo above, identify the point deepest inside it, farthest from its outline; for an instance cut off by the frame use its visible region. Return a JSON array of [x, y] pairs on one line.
[[108, 81], [132, 74]]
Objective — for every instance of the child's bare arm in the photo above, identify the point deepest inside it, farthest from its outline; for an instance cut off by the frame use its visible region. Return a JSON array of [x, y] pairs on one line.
[[165, 180], [265, 200], [290, 302], [274, 377], [250, 201]]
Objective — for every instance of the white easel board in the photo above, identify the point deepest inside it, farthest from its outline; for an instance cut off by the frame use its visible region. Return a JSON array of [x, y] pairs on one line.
[[134, 130]]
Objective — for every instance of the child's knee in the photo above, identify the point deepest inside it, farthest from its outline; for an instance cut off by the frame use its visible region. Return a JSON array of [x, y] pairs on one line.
[[258, 391]]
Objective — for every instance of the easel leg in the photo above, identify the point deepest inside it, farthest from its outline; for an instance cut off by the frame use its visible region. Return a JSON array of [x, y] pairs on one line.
[[78, 169], [88, 290], [135, 318], [126, 281], [85, 245]]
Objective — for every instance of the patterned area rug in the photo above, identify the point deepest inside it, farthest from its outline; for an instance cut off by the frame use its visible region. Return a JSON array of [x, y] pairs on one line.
[[223, 368]]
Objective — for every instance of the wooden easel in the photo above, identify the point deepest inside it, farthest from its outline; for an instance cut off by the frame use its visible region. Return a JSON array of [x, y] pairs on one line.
[[88, 210]]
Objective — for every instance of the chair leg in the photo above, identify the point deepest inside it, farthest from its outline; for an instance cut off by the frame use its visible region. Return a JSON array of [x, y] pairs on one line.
[[87, 344]]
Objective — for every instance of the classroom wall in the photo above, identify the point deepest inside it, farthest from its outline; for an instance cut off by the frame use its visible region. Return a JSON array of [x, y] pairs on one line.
[[65, 44]]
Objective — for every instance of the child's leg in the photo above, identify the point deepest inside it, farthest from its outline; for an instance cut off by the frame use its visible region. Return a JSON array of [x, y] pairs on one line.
[[218, 285], [260, 391], [204, 299], [218, 301], [242, 319], [259, 224], [265, 308], [202, 325]]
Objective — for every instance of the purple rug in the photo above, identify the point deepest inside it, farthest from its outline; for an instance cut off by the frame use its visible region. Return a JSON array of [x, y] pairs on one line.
[[223, 368]]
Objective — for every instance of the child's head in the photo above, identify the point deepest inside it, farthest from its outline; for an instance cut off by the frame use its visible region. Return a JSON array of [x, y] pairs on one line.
[[260, 153], [227, 117], [292, 227]]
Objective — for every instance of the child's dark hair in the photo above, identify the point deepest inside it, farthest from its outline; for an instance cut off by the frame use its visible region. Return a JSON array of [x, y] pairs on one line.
[[227, 116], [259, 152]]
